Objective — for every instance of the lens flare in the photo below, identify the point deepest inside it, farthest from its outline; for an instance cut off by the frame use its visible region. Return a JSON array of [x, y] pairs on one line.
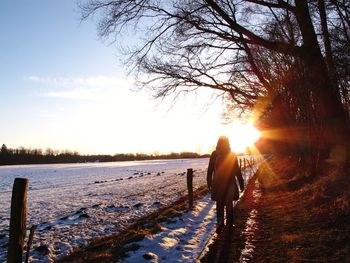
[[242, 135]]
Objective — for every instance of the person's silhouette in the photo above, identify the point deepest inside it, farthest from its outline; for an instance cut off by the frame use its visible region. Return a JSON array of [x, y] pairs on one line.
[[223, 169]]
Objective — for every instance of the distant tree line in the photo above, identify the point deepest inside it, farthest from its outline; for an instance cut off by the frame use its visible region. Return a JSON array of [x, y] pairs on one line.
[[23, 155]]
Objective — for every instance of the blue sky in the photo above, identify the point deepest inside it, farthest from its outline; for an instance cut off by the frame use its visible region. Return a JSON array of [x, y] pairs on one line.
[[62, 87]]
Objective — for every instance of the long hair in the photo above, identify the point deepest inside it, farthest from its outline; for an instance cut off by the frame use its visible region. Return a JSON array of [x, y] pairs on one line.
[[223, 145]]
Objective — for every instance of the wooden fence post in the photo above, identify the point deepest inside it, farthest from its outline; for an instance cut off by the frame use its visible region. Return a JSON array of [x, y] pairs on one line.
[[190, 187], [240, 163], [244, 163], [17, 220], [30, 240]]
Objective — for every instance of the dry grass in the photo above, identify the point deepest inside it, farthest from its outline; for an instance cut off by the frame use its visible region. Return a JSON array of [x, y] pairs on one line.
[[303, 220]]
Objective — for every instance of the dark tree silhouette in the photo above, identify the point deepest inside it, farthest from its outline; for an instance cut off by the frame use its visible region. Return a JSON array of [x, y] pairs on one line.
[[275, 53], [21, 155], [4, 149]]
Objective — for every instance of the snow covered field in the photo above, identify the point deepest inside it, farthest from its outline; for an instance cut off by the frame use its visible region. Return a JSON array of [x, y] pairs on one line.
[[74, 203]]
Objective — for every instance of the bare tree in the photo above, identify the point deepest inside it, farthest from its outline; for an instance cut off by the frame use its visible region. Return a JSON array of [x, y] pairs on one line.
[[230, 46]]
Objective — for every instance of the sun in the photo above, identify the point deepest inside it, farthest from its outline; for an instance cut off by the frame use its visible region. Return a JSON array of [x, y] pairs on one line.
[[241, 135]]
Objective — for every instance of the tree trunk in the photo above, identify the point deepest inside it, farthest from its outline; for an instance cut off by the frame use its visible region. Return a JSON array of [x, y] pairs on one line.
[[331, 129]]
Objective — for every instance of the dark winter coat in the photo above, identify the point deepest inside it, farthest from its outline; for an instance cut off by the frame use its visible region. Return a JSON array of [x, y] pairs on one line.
[[223, 169]]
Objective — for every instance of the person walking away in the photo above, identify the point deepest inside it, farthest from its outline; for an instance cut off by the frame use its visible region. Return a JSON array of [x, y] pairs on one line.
[[223, 169]]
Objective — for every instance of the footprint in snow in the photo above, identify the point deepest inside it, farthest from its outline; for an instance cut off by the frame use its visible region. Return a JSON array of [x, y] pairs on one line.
[[64, 218], [138, 205], [81, 210], [150, 256], [114, 209], [43, 249], [83, 216], [156, 204], [44, 226]]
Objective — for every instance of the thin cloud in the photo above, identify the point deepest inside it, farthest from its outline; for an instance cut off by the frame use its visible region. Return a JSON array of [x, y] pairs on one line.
[[76, 93], [84, 88]]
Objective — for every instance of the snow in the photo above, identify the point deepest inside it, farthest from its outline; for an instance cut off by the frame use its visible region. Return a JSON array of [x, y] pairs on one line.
[[72, 204], [179, 241], [251, 227]]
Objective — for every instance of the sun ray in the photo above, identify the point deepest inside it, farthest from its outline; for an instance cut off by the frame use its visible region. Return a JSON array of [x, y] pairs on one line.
[[241, 135]]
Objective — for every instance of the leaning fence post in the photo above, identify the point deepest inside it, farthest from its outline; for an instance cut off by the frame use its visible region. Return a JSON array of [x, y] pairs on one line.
[[30, 240], [17, 220], [190, 187]]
